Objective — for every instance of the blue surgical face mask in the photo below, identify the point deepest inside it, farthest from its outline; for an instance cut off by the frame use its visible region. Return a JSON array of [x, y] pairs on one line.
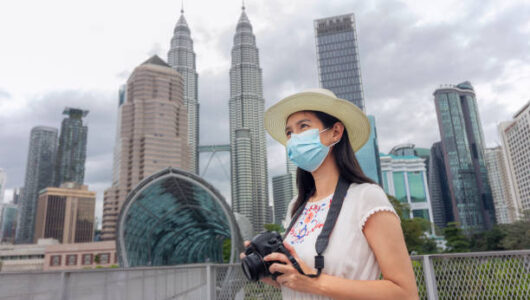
[[306, 151]]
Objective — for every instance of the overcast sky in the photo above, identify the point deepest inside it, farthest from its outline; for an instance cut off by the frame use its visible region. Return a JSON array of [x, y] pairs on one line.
[[59, 53]]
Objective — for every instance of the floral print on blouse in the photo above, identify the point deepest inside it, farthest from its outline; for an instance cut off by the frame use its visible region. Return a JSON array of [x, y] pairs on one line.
[[310, 221]]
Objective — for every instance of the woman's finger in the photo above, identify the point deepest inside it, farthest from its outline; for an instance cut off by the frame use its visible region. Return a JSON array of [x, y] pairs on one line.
[[284, 269], [276, 256], [242, 255], [246, 243]]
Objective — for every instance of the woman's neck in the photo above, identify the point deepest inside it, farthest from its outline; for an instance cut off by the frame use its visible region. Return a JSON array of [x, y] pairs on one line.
[[326, 178]]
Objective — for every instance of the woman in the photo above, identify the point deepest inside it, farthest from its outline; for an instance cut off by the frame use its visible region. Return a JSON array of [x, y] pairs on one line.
[[321, 133]]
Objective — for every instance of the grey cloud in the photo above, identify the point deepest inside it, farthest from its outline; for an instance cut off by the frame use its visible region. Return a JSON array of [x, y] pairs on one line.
[[4, 94]]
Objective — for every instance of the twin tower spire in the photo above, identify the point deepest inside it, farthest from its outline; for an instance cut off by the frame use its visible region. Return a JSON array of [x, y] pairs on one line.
[[248, 156]]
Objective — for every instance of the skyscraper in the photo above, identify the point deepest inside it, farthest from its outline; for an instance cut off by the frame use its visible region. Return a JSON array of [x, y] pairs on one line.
[[463, 151], [8, 222], [39, 175], [247, 132], [282, 194], [442, 208], [515, 137], [71, 153], [501, 188], [182, 58], [3, 178], [153, 133], [339, 70], [66, 214], [339, 66]]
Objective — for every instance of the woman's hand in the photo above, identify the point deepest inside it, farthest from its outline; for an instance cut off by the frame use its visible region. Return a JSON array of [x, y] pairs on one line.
[[266, 280], [290, 277]]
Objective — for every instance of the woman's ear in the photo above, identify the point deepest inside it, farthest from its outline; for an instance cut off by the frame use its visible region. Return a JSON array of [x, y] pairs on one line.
[[338, 130]]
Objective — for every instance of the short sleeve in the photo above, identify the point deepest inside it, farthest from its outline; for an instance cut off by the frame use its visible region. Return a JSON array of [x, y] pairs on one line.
[[373, 200]]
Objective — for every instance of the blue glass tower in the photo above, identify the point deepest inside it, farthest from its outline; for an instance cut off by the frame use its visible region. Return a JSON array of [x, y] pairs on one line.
[[463, 153], [339, 70]]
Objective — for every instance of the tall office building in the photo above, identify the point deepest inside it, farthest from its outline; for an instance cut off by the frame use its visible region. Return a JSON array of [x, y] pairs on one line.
[[116, 153], [182, 58], [247, 132], [501, 188], [368, 155], [66, 214], [71, 153], [3, 179], [339, 66], [39, 175], [442, 208], [282, 195], [463, 151], [339, 70], [17, 195], [153, 133], [8, 222], [405, 177], [515, 137], [292, 169]]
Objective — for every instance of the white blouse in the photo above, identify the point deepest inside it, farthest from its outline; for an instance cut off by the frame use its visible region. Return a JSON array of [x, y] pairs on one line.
[[348, 254]]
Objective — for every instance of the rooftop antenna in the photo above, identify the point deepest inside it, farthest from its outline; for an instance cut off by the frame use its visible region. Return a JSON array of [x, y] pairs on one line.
[[182, 6], [243, 4]]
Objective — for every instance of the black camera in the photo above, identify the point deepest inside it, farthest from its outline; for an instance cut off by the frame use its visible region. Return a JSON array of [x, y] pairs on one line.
[[262, 245]]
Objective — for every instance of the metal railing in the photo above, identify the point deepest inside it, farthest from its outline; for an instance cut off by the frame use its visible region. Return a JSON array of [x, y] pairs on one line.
[[479, 275]]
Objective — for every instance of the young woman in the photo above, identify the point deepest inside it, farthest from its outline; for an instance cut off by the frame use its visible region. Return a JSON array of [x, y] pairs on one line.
[[321, 133]]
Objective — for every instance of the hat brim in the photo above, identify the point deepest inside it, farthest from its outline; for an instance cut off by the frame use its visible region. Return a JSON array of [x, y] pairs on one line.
[[355, 121]]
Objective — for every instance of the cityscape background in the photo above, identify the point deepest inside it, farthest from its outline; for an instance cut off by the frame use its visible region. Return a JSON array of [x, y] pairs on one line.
[[79, 54]]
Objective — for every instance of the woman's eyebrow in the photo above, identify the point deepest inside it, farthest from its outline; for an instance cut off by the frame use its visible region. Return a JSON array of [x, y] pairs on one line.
[[303, 120]]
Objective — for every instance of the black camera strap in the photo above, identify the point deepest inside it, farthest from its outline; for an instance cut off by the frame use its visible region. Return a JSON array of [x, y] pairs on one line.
[[323, 237]]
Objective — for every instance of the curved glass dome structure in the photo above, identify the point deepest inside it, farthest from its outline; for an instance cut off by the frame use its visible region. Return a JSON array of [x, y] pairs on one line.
[[175, 217]]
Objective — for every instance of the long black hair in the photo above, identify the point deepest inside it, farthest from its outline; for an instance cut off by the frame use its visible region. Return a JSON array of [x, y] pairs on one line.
[[348, 165]]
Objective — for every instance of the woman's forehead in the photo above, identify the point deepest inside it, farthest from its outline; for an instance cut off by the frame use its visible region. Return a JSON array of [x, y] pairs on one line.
[[294, 117]]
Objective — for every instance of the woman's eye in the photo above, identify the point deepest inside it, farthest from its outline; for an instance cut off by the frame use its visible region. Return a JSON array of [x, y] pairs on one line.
[[288, 133], [303, 125]]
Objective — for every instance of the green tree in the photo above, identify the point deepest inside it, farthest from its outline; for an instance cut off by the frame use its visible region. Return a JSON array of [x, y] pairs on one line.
[[414, 229], [456, 240], [227, 247], [274, 227]]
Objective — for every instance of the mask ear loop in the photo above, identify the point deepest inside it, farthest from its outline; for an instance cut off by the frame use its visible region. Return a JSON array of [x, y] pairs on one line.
[[333, 143]]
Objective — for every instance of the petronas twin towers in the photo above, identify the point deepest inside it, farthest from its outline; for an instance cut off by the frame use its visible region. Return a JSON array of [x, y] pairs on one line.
[[246, 108]]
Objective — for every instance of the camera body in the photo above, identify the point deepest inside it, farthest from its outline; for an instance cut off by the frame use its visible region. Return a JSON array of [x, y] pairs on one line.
[[262, 245]]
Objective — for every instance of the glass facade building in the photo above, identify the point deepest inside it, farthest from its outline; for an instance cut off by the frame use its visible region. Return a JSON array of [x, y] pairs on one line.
[[283, 194], [438, 187], [175, 217], [368, 155], [339, 70], [71, 153], [39, 175], [463, 151], [339, 67], [8, 222], [405, 178]]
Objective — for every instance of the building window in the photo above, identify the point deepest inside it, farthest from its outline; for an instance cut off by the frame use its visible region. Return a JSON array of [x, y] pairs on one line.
[[55, 260], [104, 258], [71, 259], [87, 259]]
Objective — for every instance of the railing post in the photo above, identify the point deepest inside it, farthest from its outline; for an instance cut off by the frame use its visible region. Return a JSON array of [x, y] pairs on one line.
[[430, 278], [211, 275], [63, 286]]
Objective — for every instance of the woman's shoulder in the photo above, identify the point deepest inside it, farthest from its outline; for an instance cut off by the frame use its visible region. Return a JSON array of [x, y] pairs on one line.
[[357, 189]]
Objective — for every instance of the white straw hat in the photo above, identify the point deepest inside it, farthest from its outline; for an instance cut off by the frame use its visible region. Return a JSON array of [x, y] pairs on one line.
[[354, 119]]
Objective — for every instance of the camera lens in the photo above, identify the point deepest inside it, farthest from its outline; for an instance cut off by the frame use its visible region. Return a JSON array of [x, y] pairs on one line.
[[254, 267]]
